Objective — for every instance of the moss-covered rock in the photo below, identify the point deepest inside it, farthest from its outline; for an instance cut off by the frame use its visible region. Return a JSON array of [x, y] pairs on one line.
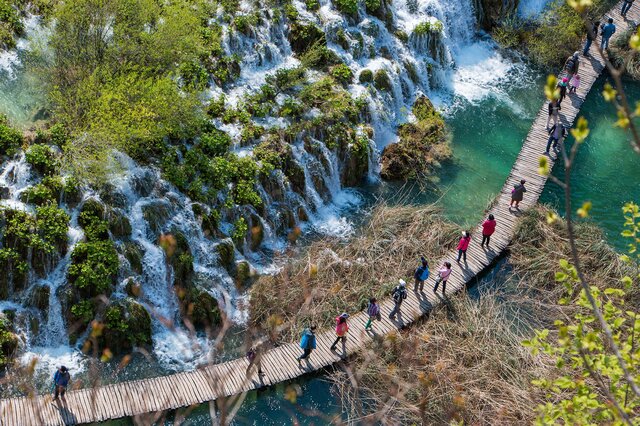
[[303, 36], [226, 252], [133, 253], [423, 145], [245, 274], [10, 138], [133, 288], [381, 80], [126, 324], [180, 257], [39, 297], [203, 310], [8, 341], [156, 213], [119, 225], [366, 76]]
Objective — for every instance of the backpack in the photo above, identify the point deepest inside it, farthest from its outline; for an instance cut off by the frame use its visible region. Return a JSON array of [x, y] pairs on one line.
[[398, 294], [373, 310], [570, 65]]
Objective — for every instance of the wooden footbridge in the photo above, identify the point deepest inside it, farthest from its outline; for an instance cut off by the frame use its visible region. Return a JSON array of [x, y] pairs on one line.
[[138, 397]]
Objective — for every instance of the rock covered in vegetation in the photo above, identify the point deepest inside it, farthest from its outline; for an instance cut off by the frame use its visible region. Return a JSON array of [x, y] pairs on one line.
[[8, 341], [126, 324], [202, 309], [422, 145]]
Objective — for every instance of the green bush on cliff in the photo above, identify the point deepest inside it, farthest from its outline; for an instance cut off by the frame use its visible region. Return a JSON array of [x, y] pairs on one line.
[[10, 138], [126, 324], [42, 159], [422, 145], [10, 24], [347, 7], [8, 342], [341, 73], [381, 80]]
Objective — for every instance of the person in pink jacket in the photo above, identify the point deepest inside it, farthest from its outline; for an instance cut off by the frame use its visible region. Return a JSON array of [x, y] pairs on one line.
[[341, 330], [443, 276], [463, 245], [488, 228]]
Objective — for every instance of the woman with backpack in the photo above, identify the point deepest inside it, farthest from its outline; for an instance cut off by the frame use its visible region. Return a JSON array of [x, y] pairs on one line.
[[373, 310], [398, 294], [517, 193], [341, 330], [307, 342], [554, 112], [421, 274], [572, 65]]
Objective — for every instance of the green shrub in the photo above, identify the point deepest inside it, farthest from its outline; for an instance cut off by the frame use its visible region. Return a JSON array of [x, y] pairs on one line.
[[303, 36], [8, 342], [94, 267], [240, 229], [83, 312], [320, 57], [10, 139], [366, 76], [10, 24], [214, 144], [216, 107], [286, 78], [42, 159], [194, 76], [428, 27], [342, 73], [372, 6], [381, 80], [347, 7], [245, 23], [312, 5]]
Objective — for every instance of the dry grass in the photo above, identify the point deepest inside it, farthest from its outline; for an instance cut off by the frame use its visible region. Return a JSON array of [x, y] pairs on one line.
[[334, 276], [465, 363]]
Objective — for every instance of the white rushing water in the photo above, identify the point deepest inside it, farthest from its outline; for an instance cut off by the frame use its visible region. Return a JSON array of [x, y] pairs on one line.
[[453, 68]]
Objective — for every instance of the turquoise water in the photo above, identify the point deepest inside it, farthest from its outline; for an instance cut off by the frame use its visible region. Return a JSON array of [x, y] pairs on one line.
[[607, 171]]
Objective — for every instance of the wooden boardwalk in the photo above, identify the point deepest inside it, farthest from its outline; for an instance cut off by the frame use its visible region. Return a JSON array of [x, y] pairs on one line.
[[221, 380]]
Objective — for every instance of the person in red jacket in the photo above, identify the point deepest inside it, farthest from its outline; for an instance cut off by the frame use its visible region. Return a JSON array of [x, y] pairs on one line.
[[488, 228], [463, 245], [341, 330]]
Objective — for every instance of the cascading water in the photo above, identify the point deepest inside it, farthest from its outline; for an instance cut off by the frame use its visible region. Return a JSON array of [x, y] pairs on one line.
[[439, 56]]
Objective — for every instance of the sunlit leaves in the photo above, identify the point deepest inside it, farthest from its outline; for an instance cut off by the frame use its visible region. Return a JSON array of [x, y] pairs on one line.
[[634, 41], [609, 93], [580, 5], [551, 89], [623, 119], [581, 131], [551, 217], [543, 166], [585, 209]]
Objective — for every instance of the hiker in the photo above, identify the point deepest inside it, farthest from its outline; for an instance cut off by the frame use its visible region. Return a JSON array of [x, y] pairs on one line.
[[254, 359], [421, 274], [572, 65], [626, 5], [341, 330], [517, 193], [556, 133], [307, 342], [398, 294], [463, 245], [61, 380], [373, 310], [443, 276], [591, 35], [607, 31], [554, 111], [574, 84], [562, 84], [488, 228]]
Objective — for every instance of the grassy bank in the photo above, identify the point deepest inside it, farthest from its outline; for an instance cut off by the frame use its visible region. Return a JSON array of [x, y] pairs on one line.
[[466, 362], [334, 276]]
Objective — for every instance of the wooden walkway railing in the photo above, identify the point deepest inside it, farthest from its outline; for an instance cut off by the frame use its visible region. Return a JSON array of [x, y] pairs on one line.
[[279, 364]]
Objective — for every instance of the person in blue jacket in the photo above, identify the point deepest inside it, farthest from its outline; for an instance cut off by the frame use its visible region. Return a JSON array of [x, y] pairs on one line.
[[607, 31], [421, 274], [61, 380], [307, 342]]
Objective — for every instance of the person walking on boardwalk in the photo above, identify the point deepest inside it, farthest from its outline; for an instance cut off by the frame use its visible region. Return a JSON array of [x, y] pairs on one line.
[[398, 294], [556, 133], [443, 276], [307, 342], [572, 65], [488, 228], [341, 330], [591, 35], [554, 112], [517, 193], [373, 310], [463, 245], [421, 274], [626, 5], [61, 380], [562, 84], [607, 31], [574, 84], [254, 359]]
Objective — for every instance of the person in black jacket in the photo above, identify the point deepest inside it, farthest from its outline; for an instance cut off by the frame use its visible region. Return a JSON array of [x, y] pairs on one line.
[[591, 35], [399, 293]]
